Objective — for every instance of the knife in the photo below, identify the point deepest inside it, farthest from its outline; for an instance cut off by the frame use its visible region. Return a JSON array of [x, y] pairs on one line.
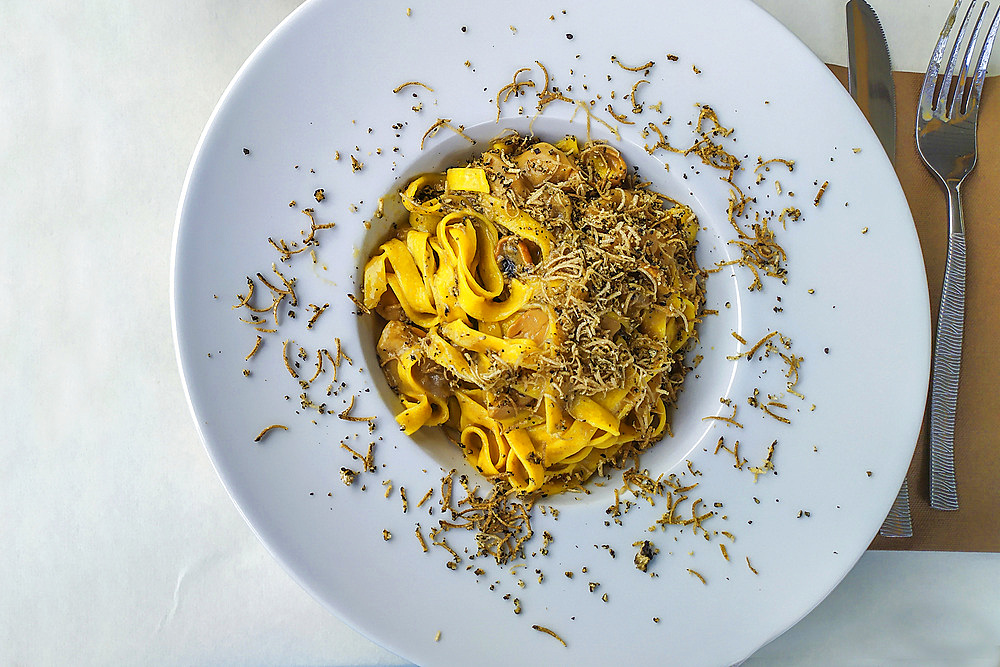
[[869, 73], [869, 78]]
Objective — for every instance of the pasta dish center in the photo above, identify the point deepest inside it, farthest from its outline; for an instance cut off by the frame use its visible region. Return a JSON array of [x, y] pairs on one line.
[[538, 302]]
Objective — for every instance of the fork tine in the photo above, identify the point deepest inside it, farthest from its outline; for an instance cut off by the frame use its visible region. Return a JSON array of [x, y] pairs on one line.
[[927, 101], [960, 101], [949, 92], [984, 59]]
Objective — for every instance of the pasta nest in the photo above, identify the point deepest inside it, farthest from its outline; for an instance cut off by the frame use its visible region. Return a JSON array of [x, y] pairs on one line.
[[537, 304]]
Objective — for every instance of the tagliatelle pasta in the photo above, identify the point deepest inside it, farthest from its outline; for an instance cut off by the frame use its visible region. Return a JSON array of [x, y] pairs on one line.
[[537, 304]]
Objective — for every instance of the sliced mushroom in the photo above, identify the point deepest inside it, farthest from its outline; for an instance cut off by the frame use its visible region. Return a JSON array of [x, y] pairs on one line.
[[514, 255], [543, 163], [607, 163], [389, 307], [433, 379], [532, 323], [396, 339]]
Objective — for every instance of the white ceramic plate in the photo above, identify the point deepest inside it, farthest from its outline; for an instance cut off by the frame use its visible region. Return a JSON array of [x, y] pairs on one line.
[[855, 306]]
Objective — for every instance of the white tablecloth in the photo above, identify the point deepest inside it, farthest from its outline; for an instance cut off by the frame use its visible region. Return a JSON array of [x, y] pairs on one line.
[[118, 544]]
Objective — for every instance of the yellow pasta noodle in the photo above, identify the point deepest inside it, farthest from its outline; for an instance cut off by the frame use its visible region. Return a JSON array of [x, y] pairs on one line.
[[537, 303]]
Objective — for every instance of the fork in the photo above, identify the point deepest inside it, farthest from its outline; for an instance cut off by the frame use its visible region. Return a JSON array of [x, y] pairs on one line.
[[946, 140]]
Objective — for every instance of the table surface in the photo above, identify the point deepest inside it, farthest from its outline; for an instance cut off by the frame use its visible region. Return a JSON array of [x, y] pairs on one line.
[[120, 545]]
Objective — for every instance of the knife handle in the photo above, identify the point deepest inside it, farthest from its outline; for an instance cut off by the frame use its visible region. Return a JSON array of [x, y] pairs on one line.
[[947, 363]]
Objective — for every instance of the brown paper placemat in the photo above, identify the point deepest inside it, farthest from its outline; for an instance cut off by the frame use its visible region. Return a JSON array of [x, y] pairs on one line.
[[976, 526]]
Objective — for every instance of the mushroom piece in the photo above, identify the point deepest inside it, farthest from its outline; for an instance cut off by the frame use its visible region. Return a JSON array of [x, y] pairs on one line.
[[532, 323], [514, 255], [608, 165], [543, 163]]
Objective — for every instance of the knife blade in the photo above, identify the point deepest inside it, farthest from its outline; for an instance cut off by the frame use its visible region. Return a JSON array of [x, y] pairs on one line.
[[869, 79], [869, 72]]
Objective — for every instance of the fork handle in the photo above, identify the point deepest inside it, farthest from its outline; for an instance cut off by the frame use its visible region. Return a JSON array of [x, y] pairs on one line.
[[947, 362]]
